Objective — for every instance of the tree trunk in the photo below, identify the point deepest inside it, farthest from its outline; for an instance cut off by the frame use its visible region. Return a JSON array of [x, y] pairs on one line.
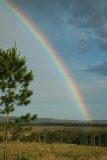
[[94, 140], [81, 140], [39, 138], [99, 140], [44, 139], [6, 138]]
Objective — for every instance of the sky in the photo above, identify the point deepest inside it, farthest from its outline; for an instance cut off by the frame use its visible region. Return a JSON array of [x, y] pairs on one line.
[[77, 30]]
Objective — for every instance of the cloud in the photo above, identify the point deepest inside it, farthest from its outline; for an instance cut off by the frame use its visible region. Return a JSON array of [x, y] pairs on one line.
[[84, 46], [87, 13], [100, 69], [90, 15], [70, 18], [102, 44]]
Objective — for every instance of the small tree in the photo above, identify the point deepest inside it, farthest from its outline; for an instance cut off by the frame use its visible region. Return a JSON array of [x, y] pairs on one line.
[[14, 85], [18, 130], [25, 119]]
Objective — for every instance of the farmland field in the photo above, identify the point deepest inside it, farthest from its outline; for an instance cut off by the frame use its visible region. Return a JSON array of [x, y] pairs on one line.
[[40, 151]]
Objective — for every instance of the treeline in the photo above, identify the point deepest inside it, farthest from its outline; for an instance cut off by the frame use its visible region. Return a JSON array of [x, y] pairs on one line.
[[80, 137], [71, 124], [67, 124]]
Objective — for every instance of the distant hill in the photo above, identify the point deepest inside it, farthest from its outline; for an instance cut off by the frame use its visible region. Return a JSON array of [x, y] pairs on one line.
[[56, 121]]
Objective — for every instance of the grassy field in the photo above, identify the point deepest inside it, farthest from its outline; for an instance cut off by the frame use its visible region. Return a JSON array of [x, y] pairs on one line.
[[38, 151]]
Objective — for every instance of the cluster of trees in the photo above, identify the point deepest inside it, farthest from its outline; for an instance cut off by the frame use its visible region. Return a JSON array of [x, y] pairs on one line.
[[69, 136], [92, 138], [71, 124]]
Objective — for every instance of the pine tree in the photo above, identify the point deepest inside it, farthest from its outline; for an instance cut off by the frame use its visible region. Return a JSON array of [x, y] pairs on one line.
[[14, 85]]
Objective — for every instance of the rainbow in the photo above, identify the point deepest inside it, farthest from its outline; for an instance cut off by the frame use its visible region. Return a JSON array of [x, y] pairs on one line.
[[39, 37]]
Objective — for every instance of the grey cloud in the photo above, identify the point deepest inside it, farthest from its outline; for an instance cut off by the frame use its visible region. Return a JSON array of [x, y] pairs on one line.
[[90, 14], [85, 14], [102, 30], [84, 46], [82, 13], [100, 69], [102, 44]]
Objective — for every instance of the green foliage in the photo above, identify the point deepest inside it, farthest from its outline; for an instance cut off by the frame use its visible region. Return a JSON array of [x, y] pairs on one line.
[[69, 136], [18, 130], [22, 157], [24, 119], [14, 80]]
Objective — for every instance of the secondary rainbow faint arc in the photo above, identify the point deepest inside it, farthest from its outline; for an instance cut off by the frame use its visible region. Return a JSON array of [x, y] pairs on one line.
[[19, 14]]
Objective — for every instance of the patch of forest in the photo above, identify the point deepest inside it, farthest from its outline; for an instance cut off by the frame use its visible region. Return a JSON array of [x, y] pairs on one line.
[[89, 136]]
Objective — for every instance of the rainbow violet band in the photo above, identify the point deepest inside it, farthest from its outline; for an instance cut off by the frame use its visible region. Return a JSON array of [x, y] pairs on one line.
[[39, 37]]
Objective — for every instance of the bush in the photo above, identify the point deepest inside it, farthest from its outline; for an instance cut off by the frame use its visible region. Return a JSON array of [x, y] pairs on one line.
[[22, 157]]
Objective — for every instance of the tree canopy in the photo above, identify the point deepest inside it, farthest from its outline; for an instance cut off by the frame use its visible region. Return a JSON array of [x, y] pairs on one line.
[[14, 80]]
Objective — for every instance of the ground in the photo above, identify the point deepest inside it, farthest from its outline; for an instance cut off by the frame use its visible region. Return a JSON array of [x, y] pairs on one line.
[[40, 151]]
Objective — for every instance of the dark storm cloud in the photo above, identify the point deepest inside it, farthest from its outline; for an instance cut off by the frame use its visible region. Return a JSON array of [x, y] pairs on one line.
[[101, 69], [90, 14]]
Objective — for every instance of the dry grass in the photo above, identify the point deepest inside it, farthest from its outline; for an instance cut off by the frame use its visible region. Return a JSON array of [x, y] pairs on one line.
[[36, 151]]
